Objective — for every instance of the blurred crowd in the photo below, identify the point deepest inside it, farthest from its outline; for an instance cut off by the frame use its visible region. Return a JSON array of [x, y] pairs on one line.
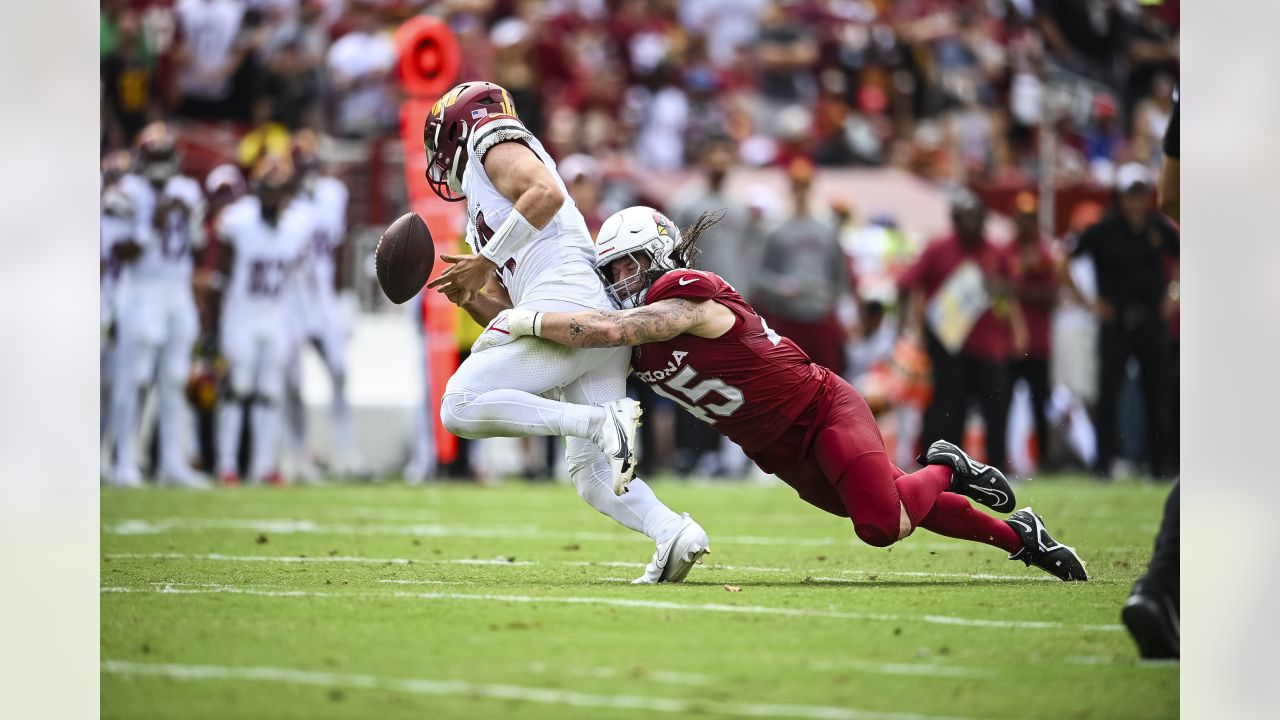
[[956, 90], [977, 94]]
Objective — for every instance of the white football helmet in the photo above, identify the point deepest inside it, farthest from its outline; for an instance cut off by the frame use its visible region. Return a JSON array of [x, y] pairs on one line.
[[636, 232]]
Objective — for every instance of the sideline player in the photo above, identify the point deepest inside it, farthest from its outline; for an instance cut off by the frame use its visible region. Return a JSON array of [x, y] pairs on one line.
[[156, 312], [264, 235], [533, 250], [316, 317], [700, 344]]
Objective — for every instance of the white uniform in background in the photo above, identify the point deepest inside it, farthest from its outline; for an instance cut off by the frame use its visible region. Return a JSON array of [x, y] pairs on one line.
[[116, 225], [506, 391], [317, 320], [255, 334], [156, 323]]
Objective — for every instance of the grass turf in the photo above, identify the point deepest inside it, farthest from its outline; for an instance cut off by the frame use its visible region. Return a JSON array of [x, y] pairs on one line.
[[458, 601]]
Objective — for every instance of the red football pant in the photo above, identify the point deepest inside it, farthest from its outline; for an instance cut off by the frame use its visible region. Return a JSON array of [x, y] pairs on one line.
[[847, 472]]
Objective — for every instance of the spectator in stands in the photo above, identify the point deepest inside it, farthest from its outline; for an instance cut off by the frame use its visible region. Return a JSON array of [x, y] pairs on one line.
[[215, 60], [360, 65], [291, 84], [1131, 249], [957, 296], [582, 178], [727, 246], [1035, 284], [1150, 120], [129, 97], [802, 274], [787, 53]]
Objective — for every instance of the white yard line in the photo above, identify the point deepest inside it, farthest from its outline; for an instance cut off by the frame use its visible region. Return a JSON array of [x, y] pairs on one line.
[[462, 688], [285, 526], [629, 603], [500, 562], [922, 669], [609, 673]]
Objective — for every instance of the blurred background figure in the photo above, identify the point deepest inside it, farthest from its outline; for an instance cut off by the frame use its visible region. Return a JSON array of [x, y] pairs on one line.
[[958, 296], [264, 237], [802, 274], [1035, 286], [728, 247], [317, 316], [360, 65], [1134, 252], [155, 308]]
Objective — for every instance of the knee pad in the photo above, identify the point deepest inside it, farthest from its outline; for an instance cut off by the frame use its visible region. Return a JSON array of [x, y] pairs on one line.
[[875, 535]]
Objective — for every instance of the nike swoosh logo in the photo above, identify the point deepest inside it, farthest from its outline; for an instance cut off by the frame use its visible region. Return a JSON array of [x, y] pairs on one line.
[[686, 281], [624, 450], [999, 496]]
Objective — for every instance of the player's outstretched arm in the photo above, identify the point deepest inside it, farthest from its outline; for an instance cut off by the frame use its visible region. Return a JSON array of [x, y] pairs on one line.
[[662, 320]]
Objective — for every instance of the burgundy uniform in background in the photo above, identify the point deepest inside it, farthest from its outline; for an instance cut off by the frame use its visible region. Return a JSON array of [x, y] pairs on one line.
[[800, 421]]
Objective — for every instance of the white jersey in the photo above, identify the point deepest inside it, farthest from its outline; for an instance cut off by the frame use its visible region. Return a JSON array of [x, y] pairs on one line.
[[265, 257], [166, 250], [313, 290], [116, 226], [559, 264]]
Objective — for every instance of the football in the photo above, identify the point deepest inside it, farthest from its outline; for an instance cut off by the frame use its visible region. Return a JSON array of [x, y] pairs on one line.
[[405, 257]]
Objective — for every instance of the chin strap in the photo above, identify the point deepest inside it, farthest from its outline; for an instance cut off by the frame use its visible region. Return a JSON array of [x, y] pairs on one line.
[[510, 238]]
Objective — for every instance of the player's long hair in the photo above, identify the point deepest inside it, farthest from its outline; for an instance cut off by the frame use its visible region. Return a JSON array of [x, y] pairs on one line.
[[686, 251]]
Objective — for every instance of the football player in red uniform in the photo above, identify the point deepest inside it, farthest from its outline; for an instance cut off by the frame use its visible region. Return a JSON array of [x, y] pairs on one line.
[[700, 344]]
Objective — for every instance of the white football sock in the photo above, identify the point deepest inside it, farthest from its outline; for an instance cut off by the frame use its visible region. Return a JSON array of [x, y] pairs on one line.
[[638, 509], [230, 421], [265, 426]]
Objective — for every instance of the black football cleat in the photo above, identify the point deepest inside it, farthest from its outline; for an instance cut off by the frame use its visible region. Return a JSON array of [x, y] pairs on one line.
[[1043, 551], [1152, 619], [975, 480]]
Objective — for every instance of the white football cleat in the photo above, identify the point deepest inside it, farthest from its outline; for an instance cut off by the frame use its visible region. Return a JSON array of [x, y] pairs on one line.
[[618, 440], [674, 558]]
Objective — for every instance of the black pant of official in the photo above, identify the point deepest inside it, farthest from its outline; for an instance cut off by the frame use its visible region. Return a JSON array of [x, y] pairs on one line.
[[958, 379], [1141, 334], [1164, 573], [1035, 370]]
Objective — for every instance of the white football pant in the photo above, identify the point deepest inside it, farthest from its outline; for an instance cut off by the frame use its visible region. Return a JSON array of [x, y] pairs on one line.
[[255, 361], [506, 391], [156, 331]]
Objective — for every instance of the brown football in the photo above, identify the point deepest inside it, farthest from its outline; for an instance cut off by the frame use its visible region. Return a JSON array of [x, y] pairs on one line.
[[404, 257]]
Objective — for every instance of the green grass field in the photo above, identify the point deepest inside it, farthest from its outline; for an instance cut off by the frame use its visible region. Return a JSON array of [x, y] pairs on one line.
[[511, 602]]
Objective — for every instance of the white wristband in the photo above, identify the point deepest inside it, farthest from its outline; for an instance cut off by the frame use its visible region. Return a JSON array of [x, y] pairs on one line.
[[524, 322], [511, 236]]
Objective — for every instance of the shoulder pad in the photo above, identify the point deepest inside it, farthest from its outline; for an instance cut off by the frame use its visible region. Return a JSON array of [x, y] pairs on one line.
[[684, 283], [495, 129]]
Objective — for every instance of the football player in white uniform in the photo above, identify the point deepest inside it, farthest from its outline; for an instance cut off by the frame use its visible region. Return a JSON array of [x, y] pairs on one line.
[[116, 225], [532, 245], [316, 317], [156, 312], [264, 234]]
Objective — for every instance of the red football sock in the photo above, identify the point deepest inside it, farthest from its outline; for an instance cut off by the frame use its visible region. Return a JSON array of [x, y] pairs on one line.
[[954, 516], [919, 491]]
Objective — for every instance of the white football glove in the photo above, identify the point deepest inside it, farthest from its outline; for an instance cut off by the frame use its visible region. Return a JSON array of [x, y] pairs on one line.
[[497, 333], [505, 328]]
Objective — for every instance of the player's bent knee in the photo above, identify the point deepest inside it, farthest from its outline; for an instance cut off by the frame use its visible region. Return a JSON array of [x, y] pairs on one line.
[[454, 415], [874, 535]]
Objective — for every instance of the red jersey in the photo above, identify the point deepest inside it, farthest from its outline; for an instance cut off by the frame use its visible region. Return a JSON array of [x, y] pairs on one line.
[[750, 384]]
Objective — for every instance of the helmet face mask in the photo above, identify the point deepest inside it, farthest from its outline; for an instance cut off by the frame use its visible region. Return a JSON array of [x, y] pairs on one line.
[[645, 236]]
